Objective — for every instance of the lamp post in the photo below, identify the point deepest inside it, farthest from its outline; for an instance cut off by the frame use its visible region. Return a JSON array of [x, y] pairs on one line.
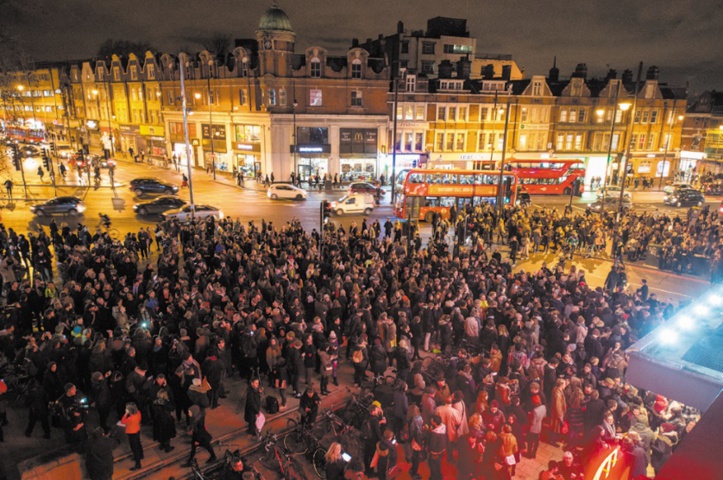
[[210, 118], [110, 115], [393, 181], [182, 59], [492, 143], [623, 108], [667, 145], [97, 106], [293, 135], [21, 89], [500, 193]]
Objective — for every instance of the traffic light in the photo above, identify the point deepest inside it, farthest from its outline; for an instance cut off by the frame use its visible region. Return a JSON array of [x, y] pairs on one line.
[[52, 148], [46, 159], [325, 210], [16, 157]]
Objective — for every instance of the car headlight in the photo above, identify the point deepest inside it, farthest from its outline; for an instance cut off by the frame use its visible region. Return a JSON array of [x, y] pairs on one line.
[[220, 214]]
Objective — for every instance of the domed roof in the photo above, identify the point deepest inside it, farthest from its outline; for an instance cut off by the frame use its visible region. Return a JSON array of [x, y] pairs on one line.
[[275, 19]]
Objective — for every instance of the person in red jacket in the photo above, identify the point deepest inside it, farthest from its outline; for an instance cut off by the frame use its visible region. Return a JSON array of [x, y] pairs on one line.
[[132, 422]]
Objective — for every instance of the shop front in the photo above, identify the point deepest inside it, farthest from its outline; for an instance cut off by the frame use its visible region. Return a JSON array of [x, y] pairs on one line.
[[129, 138], [358, 154], [154, 141], [247, 149], [177, 141], [312, 151], [688, 165], [213, 143]]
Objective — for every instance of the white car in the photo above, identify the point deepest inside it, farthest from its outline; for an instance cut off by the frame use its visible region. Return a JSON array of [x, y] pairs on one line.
[[284, 190], [353, 203], [677, 186], [611, 191], [184, 214], [64, 152]]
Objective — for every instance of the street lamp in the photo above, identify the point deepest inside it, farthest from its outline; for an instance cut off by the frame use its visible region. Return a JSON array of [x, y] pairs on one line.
[[500, 193], [21, 89], [624, 106], [667, 145], [182, 60], [210, 118], [293, 134], [402, 73]]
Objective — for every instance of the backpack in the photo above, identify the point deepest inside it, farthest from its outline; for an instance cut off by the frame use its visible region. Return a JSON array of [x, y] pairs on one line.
[[272, 404], [357, 357]]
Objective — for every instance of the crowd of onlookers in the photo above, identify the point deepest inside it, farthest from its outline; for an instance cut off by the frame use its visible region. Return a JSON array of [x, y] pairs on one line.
[[153, 343]]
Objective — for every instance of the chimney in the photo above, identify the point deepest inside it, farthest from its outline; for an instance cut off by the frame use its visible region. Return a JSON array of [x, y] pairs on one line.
[[354, 42], [653, 73], [464, 67], [554, 75], [580, 71], [612, 74], [400, 27], [369, 41], [627, 77], [506, 72], [445, 69], [488, 72]]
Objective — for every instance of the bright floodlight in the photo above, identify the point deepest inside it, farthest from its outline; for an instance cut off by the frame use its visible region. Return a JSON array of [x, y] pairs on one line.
[[685, 323], [715, 300], [701, 310], [668, 336]]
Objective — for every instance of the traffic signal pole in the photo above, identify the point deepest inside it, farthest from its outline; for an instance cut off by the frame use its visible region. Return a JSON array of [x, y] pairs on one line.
[[18, 163], [48, 161]]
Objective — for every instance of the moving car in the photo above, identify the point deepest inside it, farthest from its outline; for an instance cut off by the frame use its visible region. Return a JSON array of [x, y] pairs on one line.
[[30, 151], [677, 186], [59, 206], [611, 191], [285, 190], [64, 151], [158, 205], [364, 187], [107, 162], [611, 204], [684, 198], [353, 203], [142, 186], [184, 214]]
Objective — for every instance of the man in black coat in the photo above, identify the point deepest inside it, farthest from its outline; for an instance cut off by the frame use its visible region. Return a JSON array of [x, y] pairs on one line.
[[253, 406], [99, 455]]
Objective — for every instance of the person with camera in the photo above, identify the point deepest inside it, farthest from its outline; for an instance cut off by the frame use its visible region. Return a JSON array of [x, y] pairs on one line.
[[71, 408], [132, 423]]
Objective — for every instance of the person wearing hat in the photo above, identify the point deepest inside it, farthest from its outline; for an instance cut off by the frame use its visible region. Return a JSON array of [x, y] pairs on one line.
[[537, 415], [334, 356], [200, 437], [162, 404]]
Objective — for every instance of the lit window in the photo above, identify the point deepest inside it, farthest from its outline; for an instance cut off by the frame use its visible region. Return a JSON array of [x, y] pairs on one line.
[[272, 97], [315, 99]]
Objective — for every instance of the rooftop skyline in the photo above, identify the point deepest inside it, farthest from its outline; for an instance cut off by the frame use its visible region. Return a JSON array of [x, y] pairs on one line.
[[681, 38]]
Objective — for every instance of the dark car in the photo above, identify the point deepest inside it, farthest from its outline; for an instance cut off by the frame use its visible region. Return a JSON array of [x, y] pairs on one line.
[[158, 205], [154, 186], [684, 198], [364, 187], [59, 206], [30, 151]]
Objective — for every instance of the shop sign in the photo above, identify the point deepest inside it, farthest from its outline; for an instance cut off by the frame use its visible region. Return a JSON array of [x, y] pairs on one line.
[[219, 132], [195, 142], [152, 131], [248, 147], [325, 148], [358, 140], [129, 129]]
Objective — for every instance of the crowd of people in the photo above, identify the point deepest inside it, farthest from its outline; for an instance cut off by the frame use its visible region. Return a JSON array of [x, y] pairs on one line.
[[152, 344]]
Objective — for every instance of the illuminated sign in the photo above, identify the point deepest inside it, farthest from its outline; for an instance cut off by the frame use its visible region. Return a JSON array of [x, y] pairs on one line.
[[311, 150], [241, 146]]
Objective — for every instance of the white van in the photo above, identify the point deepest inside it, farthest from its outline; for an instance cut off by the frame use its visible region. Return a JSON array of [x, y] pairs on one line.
[[354, 203]]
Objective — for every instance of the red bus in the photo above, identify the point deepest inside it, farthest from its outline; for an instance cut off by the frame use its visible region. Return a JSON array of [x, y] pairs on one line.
[[549, 176], [439, 190], [25, 134]]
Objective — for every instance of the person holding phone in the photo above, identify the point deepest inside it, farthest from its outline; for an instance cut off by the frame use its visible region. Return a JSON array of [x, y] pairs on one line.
[[335, 462], [132, 423]]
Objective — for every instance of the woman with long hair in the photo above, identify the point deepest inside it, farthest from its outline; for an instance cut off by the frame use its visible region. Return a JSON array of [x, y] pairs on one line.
[[334, 462]]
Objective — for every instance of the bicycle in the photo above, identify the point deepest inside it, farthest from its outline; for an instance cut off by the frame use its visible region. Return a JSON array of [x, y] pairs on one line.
[[275, 458], [230, 458], [104, 225], [357, 408]]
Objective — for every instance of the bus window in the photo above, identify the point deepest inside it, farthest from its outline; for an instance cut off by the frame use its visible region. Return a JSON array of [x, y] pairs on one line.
[[447, 201], [416, 178]]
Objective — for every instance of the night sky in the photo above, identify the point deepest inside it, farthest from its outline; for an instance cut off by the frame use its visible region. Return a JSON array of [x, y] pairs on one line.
[[683, 38]]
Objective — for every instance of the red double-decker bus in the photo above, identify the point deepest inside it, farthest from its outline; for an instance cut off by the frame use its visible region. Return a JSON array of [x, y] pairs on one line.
[[25, 134], [439, 190], [549, 176]]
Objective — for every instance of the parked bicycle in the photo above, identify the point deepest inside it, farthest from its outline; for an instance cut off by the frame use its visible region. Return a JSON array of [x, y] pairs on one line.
[[278, 459], [357, 408], [304, 440]]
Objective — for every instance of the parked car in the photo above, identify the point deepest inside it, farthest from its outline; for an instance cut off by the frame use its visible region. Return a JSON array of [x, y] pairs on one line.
[[286, 190], [684, 198], [354, 203], [677, 186], [64, 152], [364, 187], [611, 191], [611, 204], [159, 205], [523, 198], [59, 206], [142, 186], [184, 214]]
